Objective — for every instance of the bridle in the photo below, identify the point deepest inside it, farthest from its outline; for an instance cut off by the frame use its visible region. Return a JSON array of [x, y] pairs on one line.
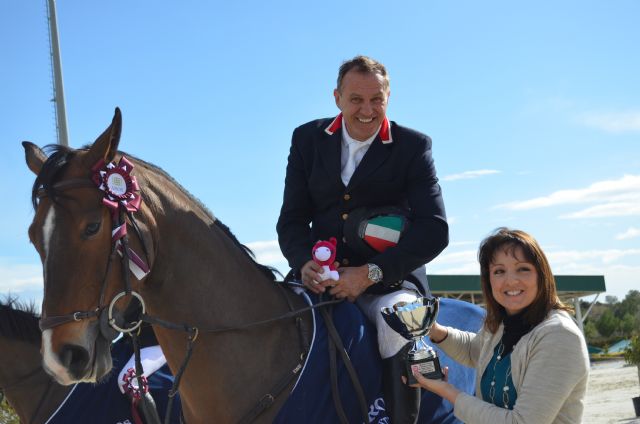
[[109, 320], [22, 381], [109, 326]]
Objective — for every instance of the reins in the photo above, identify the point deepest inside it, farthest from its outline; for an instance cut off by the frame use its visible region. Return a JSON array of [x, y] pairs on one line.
[[109, 320]]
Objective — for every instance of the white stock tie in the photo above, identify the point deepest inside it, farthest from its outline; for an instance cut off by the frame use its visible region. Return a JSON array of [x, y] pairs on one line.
[[356, 153]]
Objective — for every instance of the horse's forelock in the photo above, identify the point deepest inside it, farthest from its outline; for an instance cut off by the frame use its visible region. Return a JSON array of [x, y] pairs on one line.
[[19, 321], [59, 157]]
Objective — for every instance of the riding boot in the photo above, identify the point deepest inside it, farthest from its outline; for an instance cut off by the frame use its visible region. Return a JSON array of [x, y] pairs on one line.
[[402, 403]]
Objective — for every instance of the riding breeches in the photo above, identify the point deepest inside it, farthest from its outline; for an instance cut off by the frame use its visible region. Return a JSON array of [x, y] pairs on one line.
[[389, 341]]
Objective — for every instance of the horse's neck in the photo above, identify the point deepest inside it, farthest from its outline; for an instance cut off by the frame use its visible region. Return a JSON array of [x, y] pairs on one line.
[[196, 261], [36, 401], [202, 278], [29, 389]]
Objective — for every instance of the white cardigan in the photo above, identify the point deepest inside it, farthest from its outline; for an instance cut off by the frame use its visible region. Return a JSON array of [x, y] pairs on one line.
[[550, 369]]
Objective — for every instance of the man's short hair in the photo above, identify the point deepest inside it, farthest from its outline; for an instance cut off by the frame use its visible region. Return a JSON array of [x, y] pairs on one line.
[[364, 65]]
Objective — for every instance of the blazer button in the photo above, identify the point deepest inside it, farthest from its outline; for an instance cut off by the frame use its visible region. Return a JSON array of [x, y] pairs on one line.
[[345, 216], [347, 197], [344, 239], [345, 261]]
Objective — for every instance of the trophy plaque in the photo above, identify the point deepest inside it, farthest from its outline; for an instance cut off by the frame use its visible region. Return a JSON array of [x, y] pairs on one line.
[[412, 321]]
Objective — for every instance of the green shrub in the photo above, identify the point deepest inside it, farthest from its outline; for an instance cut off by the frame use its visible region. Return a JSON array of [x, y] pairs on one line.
[[7, 415], [632, 352]]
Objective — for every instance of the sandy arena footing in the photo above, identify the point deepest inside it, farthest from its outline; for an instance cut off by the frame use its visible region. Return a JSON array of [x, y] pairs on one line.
[[612, 384]]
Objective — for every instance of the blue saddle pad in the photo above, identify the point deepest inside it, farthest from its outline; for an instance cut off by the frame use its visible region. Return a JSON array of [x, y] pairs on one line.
[[311, 400], [103, 403]]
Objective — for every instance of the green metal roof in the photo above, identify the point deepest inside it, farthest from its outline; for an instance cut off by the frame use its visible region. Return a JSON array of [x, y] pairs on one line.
[[568, 286]]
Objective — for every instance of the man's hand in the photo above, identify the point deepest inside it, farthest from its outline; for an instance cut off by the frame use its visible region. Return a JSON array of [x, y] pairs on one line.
[[310, 273], [352, 283]]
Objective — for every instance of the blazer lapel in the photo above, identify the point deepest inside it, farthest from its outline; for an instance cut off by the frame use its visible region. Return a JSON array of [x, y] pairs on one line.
[[375, 156], [329, 147]]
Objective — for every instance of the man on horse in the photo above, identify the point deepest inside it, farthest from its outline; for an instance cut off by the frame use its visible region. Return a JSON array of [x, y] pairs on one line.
[[343, 175]]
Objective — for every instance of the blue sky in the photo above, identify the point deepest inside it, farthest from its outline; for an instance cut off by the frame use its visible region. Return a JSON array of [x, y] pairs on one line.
[[534, 111]]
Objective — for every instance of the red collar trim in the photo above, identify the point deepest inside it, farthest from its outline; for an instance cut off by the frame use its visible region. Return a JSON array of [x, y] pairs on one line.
[[385, 129], [335, 125]]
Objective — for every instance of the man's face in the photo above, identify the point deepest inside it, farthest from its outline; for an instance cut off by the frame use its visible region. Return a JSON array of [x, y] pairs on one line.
[[363, 101]]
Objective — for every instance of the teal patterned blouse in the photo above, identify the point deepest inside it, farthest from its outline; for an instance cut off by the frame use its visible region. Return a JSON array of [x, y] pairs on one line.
[[498, 372]]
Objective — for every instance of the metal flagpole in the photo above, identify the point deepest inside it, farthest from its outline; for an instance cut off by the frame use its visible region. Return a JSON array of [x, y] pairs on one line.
[[58, 89]]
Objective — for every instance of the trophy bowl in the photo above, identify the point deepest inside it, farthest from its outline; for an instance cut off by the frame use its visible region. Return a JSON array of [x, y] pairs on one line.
[[413, 320]]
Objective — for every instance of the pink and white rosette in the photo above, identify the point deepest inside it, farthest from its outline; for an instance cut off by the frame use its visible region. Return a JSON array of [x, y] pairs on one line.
[[130, 384], [121, 191]]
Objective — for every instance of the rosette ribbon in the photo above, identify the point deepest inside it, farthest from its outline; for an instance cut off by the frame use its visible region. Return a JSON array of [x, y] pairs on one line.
[[121, 193], [131, 385]]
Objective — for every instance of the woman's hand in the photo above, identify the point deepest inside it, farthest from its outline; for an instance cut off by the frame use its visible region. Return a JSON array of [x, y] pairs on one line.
[[440, 387], [438, 333]]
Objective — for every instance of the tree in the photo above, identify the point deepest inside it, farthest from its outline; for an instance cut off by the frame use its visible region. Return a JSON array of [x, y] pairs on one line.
[[607, 323], [6, 413], [628, 324], [590, 330], [632, 353], [630, 305]]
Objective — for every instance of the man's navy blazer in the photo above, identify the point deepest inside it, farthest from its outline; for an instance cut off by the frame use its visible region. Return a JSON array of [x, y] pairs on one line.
[[397, 170]]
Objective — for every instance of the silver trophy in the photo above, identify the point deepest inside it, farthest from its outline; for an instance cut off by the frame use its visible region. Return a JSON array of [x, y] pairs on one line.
[[413, 321]]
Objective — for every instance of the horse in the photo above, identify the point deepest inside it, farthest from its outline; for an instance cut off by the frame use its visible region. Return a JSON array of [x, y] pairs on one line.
[[224, 323], [37, 398]]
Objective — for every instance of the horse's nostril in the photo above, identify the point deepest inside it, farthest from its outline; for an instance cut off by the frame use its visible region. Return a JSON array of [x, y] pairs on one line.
[[75, 359]]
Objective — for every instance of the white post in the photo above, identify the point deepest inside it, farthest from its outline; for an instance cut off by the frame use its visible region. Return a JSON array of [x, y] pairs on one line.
[[58, 89], [576, 304]]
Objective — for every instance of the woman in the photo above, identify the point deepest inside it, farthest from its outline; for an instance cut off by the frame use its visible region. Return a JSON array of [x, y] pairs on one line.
[[530, 357]]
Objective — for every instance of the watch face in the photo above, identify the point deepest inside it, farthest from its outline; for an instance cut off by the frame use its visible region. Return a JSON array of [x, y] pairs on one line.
[[375, 273]]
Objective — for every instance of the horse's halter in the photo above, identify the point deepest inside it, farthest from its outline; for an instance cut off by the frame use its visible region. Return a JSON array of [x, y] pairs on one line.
[[121, 198]]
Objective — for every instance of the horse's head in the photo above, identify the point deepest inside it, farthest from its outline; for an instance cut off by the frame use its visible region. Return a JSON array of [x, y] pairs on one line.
[[72, 232]]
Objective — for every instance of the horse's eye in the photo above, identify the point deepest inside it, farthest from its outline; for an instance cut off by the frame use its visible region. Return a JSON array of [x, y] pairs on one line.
[[91, 229]]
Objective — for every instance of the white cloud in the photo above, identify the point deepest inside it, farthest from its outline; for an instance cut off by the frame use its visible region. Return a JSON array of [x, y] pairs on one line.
[[469, 175], [268, 253], [458, 259], [19, 277], [469, 268], [605, 256], [618, 266], [630, 233], [462, 243], [616, 197], [614, 122], [606, 210]]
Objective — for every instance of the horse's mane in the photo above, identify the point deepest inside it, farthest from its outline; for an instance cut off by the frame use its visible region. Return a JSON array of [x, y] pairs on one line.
[[59, 157], [268, 271], [19, 321]]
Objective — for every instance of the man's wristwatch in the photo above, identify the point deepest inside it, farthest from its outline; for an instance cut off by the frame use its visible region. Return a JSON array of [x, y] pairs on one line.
[[375, 273]]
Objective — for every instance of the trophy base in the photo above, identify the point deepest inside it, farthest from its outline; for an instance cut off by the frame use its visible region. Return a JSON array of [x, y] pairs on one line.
[[428, 367]]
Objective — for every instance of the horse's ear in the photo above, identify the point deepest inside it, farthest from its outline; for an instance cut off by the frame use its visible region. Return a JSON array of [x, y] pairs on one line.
[[34, 156], [106, 146]]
